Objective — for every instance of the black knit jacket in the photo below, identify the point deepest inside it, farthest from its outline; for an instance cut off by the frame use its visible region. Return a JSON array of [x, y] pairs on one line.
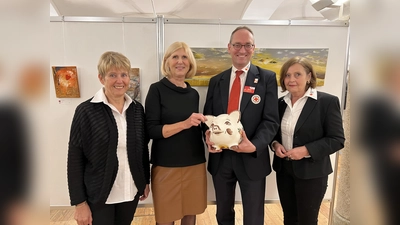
[[92, 159]]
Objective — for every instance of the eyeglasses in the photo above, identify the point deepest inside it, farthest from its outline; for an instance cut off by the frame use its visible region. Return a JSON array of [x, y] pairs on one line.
[[239, 46]]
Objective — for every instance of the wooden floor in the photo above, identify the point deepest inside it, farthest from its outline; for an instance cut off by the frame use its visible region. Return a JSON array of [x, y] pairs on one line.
[[145, 215]]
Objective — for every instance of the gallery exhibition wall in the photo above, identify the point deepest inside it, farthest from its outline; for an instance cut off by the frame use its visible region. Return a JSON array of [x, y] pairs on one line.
[[80, 42]]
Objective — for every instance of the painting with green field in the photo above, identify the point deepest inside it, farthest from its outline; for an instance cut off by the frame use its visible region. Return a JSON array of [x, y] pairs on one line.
[[212, 61]]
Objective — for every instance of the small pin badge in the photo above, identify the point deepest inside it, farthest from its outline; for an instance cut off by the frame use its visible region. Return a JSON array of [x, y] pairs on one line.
[[256, 80], [255, 99]]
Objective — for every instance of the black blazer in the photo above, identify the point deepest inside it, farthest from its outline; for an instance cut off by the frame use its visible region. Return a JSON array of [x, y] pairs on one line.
[[320, 129], [260, 121]]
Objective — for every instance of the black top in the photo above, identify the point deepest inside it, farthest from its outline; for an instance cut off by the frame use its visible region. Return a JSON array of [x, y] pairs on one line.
[[168, 104], [92, 151]]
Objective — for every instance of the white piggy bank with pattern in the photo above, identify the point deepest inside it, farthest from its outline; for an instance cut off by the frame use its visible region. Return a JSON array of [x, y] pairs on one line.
[[225, 130]]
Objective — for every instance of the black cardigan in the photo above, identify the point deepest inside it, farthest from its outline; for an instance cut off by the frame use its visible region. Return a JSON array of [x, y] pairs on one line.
[[92, 160]]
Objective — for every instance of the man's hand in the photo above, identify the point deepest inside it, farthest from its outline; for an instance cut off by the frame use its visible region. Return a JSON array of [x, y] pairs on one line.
[[245, 146]]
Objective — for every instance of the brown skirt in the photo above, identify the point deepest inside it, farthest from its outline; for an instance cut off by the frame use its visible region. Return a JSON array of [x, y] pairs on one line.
[[178, 191]]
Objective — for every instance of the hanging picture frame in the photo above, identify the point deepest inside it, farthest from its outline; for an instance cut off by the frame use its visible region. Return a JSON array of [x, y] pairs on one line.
[[66, 81]]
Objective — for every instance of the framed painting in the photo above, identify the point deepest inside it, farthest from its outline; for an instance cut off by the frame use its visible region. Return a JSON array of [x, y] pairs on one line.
[[134, 84], [66, 81], [212, 61]]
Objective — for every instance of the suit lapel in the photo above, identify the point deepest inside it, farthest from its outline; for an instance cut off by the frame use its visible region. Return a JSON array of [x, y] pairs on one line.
[[251, 76], [282, 108], [307, 109], [224, 89]]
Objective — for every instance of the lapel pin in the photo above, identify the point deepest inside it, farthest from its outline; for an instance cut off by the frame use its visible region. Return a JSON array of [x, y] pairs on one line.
[[256, 80], [255, 99]]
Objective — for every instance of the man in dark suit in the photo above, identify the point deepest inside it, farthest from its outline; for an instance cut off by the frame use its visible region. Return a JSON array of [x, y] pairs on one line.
[[249, 162]]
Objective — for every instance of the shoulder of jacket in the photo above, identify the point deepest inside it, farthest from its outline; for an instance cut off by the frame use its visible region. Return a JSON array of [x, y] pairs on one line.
[[137, 104], [326, 95], [218, 76], [84, 105], [263, 71]]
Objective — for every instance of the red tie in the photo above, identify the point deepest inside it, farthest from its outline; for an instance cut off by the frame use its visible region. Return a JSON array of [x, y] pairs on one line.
[[233, 103]]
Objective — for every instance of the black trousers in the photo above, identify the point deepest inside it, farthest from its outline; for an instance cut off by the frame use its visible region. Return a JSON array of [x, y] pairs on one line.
[[300, 198], [231, 171], [114, 214]]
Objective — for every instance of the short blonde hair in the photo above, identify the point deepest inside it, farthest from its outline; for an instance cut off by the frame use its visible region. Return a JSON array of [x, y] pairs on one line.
[[307, 67], [109, 60], [173, 48]]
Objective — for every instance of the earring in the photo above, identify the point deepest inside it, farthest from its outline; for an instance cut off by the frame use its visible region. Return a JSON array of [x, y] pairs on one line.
[[308, 82]]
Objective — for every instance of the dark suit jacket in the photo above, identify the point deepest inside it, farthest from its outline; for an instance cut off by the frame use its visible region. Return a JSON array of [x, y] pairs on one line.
[[260, 121], [320, 129]]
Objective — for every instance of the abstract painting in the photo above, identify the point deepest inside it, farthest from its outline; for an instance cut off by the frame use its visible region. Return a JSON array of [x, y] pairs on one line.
[[212, 61], [66, 81], [134, 84]]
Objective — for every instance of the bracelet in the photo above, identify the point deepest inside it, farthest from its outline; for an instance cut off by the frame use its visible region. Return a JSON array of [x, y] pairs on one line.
[[81, 204]]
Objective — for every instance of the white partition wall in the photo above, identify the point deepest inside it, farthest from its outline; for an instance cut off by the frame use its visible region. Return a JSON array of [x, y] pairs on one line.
[[78, 43]]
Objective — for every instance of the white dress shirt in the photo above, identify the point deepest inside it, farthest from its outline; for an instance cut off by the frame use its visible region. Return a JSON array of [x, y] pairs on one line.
[[291, 115], [242, 77], [124, 188]]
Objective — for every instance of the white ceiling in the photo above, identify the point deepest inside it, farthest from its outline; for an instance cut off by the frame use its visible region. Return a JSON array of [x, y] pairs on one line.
[[195, 9]]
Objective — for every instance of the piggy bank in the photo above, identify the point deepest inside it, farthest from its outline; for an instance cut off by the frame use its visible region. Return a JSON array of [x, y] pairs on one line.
[[225, 130]]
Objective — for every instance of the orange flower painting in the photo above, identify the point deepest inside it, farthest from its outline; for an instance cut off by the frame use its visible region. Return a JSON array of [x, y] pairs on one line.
[[66, 81]]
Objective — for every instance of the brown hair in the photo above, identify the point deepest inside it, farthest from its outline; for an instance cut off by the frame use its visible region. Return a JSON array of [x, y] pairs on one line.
[[307, 67], [241, 28]]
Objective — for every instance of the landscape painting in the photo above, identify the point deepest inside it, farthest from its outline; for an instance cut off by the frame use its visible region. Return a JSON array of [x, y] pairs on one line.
[[66, 81], [134, 84], [212, 61]]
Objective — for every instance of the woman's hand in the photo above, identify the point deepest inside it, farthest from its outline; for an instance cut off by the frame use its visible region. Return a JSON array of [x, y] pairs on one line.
[[210, 144], [280, 151], [145, 194], [83, 215], [194, 120], [297, 153]]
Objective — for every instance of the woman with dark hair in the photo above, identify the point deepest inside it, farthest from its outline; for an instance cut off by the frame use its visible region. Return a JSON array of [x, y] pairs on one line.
[[311, 130]]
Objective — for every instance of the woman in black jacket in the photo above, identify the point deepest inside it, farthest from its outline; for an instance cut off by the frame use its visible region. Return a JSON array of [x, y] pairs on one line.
[[108, 157], [311, 130]]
